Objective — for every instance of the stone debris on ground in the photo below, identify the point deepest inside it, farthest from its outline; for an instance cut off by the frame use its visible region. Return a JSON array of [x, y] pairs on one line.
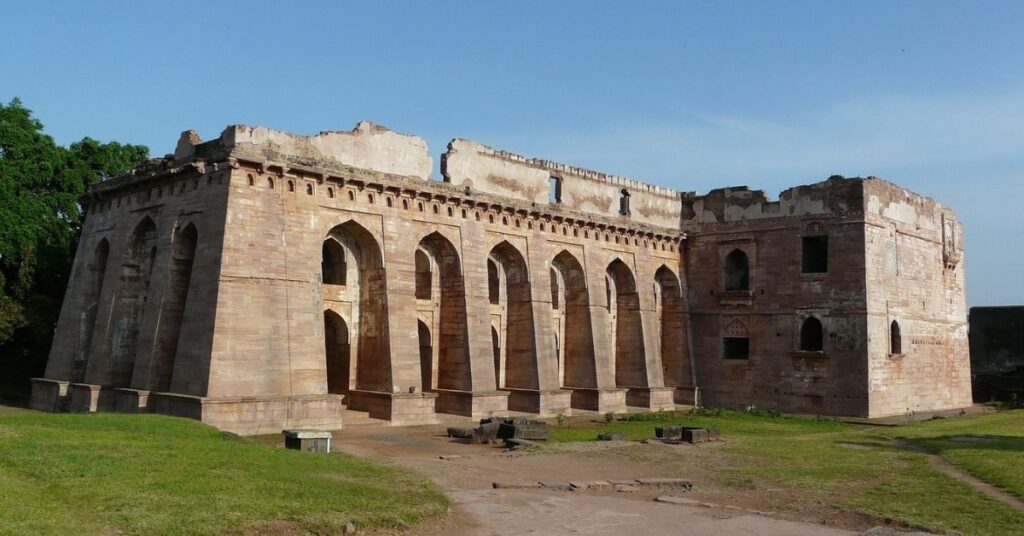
[[611, 436], [686, 434]]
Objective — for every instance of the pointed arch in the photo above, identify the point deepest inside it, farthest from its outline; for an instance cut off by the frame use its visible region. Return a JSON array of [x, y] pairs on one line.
[[338, 351], [453, 364], [737, 270], [630, 365], [183, 251], [895, 338], [135, 277], [670, 326], [94, 274], [365, 291], [573, 326], [812, 337], [516, 312]]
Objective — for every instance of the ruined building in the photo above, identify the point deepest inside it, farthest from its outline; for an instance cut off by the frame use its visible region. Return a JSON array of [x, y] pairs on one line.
[[263, 280]]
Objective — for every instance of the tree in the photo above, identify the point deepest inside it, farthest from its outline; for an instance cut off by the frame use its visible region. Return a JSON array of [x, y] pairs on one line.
[[40, 219]]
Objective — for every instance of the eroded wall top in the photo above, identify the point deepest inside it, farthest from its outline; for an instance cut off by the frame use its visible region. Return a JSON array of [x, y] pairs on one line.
[[484, 169], [837, 195], [367, 146]]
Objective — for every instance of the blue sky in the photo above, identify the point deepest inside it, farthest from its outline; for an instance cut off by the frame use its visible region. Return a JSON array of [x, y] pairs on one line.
[[690, 95]]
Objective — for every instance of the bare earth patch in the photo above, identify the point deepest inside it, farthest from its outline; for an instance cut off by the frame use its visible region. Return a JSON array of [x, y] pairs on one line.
[[467, 473]]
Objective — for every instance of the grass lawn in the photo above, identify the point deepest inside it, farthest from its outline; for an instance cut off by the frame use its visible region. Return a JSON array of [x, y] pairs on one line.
[[863, 468], [149, 474]]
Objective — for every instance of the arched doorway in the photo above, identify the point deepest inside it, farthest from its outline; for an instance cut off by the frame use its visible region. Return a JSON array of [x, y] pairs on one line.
[[97, 270], [515, 316], [427, 372], [352, 272], [670, 325], [624, 306], [183, 252], [439, 278], [338, 353], [571, 314], [136, 273]]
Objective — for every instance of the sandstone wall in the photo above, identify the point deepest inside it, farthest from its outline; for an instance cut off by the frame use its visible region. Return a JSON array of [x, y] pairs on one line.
[[915, 277], [777, 374], [468, 163]]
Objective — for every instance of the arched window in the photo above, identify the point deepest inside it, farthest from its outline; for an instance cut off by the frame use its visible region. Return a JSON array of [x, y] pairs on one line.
[[493, 284], [270, 183], [811, 336], [895, 340], [624, 202], [423, 276], [333, 267], [309, 189], [737, 271], [291, 186]]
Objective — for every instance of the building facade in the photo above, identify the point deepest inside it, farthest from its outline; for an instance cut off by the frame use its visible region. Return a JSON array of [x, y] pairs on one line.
[[263, 280]]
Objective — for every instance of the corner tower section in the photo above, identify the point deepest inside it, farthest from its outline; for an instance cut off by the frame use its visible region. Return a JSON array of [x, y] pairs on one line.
[[917, 318]]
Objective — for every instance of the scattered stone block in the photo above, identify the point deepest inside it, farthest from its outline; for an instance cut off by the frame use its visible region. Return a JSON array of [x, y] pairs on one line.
[[515, 485], [611, 436], [516, 443], [626, 488], [486, 433], [672, 499], [307, 440], [666, 482], [623, 482], [460, 433], [555, 484], [669, 432], [695, 435], [599, 484], [578, 485]]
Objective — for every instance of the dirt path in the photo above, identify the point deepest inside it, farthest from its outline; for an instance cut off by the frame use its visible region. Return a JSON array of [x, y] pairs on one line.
[[941, 465], [466, 473]]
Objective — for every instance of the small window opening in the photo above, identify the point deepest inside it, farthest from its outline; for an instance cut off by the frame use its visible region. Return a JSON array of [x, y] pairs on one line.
[[309, 189], [270, 184], [737, 271], [895, 339], [624, 202], [330, 193], [736, 347], [291, 186], [351, 195], [811, 336], [555, 190], [251, 181], [815, 254]]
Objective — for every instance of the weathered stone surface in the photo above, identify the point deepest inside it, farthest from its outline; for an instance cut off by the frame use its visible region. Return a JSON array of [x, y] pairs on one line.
[[264, 280], [672, 499]]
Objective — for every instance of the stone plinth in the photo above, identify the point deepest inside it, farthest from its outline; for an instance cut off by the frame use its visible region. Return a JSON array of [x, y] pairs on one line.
[[476, 405], [687, 395], [131, 400], [601, 400], [399, 408], [90, 398], [544, 403], [653, 398], [254, 415], [48, 395]]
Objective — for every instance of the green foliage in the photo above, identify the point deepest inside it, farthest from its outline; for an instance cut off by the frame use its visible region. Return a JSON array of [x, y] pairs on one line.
[[150, 474], [40, 220]]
